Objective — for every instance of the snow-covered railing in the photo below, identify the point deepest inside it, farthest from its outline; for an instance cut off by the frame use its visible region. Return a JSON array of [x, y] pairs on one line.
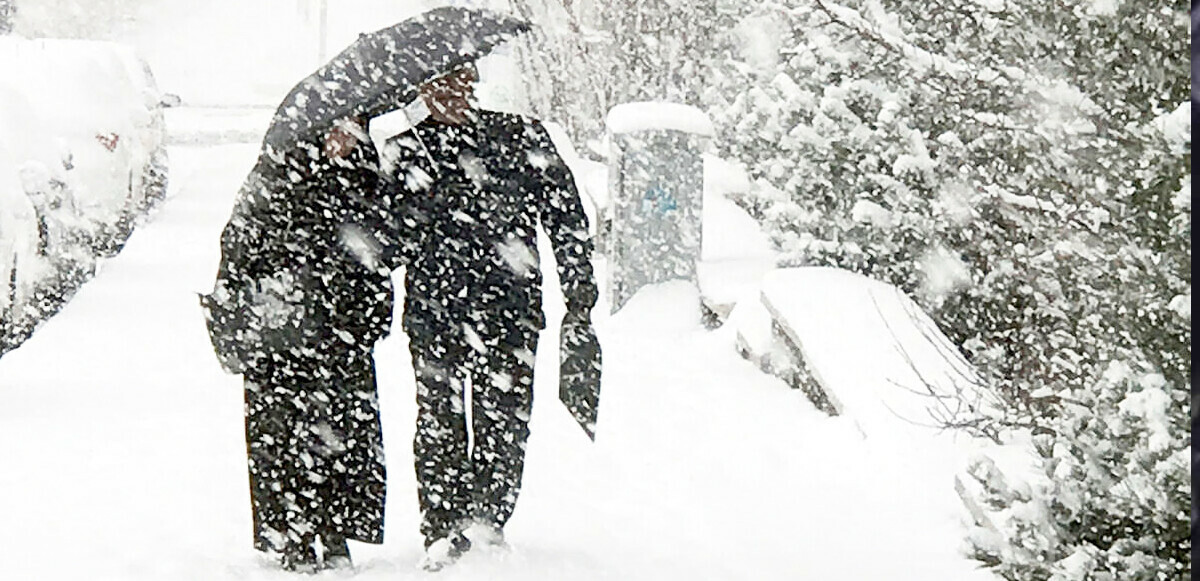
[[735, 253]]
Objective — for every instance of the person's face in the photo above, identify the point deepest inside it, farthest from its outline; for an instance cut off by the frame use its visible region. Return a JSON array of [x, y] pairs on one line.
[[451, 96]]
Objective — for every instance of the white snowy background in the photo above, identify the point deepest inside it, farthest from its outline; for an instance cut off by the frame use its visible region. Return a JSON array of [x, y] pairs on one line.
[[122, 452]]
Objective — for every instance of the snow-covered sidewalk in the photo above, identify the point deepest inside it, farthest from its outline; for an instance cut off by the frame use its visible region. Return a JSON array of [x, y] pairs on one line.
[[122, 449]]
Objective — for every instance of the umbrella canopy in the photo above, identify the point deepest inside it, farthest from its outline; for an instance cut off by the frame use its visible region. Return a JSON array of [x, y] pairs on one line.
[[382, 71]]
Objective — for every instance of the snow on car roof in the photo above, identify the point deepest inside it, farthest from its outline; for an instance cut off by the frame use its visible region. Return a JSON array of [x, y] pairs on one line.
[[82, 86]]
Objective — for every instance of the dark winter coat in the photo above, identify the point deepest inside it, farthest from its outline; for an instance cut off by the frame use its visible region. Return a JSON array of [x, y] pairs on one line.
[[469, 199], [307, 224], [299, 262]]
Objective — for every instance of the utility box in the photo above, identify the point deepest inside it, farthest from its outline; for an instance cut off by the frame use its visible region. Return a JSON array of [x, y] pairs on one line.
[[656, 180]]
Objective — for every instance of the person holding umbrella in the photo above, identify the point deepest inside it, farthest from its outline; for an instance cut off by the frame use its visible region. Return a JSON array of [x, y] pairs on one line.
[[303, 292], [470, 187]]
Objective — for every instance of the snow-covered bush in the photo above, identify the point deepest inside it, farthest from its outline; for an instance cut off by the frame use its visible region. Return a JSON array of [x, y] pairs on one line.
[[1017, 168], [1114, 501], [587, 56]]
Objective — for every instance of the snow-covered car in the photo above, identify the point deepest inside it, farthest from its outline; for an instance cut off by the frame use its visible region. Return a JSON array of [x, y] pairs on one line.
[[21, 265], [99, 105], [38, 224], [82, 154]]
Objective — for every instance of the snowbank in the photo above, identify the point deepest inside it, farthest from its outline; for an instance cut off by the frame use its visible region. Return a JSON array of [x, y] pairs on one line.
[[734, 253], [213, 125], [917, 378], [867, 352]]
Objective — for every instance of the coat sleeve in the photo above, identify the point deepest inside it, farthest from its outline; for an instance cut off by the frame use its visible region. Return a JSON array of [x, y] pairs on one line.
[[561, 213], [362, 294], [246, 238], [368, 206]]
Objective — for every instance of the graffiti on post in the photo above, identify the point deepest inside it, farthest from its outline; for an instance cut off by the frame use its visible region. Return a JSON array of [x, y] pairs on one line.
[[658, 200]]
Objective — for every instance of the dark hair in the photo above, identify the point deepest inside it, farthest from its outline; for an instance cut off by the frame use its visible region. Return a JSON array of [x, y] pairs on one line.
[[467, 66]]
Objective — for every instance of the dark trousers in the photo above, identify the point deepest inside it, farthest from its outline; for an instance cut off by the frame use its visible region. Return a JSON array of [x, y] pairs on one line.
[[314, 440], [461, 480]]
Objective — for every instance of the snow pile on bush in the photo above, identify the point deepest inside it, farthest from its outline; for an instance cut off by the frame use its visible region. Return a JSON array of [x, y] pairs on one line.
[[1032, 204]]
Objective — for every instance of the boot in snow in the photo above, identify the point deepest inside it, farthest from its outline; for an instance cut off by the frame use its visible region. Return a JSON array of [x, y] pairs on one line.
[[444, 552], [487, 536]]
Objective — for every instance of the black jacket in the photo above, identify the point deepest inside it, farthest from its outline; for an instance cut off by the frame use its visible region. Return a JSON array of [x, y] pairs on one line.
[[312, 220], [466, 201]]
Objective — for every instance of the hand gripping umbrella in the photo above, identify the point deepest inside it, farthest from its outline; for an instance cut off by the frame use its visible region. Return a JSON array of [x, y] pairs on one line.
[[381, 71]]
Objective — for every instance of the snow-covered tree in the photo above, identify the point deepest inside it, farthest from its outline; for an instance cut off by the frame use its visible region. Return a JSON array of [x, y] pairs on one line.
[[1021, 170], [98, 19], [561, 64], [587, 56], [8, 13]]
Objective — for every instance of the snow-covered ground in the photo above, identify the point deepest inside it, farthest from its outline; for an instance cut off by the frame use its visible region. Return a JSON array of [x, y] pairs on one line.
[[121, 441], [123, 453]]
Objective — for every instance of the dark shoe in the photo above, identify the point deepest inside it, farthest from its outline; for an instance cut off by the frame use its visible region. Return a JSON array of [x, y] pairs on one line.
[[444, 552], [337, 553], [299, 560]]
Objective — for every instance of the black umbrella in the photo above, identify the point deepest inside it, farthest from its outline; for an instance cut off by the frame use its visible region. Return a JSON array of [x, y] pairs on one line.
[[382, 70], [579, 371]]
